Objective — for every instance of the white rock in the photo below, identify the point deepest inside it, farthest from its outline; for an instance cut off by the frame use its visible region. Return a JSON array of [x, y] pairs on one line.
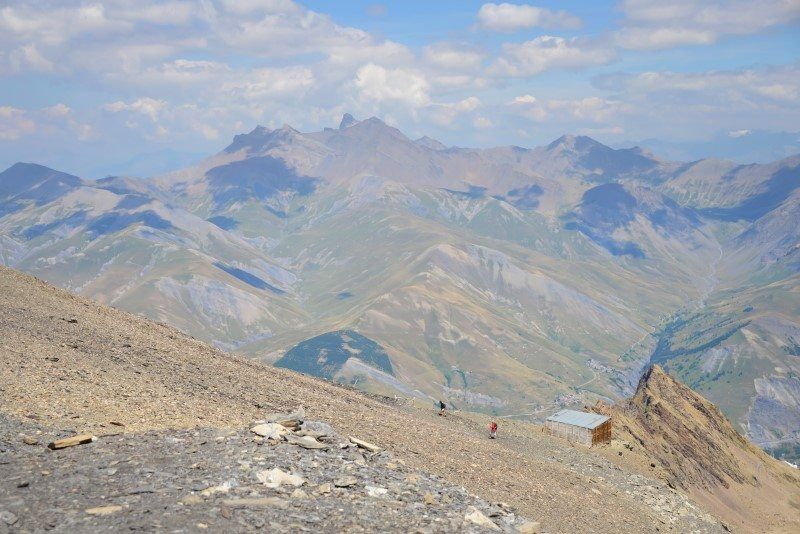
[[364, 444], [274, 478], [222, 488], [531, 527], [270, 430], [374, 491], [477, 517], [307, 442]]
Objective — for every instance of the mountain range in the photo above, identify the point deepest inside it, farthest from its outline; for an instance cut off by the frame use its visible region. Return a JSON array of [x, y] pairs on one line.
[[506, 280]]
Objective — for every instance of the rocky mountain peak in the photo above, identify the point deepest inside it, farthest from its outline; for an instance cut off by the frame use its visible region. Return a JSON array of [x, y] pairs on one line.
[[261, 138], [43, 182], [347, 121], [429, 142], [371, 131], [577, 143], [659, 395], [688, 434]]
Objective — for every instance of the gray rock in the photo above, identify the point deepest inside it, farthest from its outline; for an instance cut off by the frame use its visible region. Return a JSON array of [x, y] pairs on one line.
[[260, 502], [345, 481], [307, 442], [477, 517], [291, 420], [318, 429]]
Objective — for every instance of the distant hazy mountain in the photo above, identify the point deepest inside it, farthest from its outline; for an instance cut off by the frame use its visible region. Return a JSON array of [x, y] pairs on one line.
[[742, 146], [507, 279]]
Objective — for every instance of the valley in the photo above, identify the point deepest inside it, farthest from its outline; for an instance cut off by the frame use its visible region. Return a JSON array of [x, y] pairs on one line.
[[503, 280], [176, 445]]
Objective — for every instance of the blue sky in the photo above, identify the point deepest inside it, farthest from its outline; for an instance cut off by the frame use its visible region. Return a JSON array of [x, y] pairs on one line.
[[112, 87]]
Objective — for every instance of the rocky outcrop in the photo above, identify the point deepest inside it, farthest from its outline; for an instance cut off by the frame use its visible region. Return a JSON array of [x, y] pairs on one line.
[[699, 451]]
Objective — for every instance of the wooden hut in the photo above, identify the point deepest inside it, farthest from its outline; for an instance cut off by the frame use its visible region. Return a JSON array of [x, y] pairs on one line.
[[581, 427]]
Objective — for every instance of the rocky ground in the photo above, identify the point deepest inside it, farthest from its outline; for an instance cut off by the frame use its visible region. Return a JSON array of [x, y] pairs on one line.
[[593, 471], [191, 480], [70, 364]]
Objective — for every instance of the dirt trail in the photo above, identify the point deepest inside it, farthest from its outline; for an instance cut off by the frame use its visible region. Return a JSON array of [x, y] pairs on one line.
[[73, 363]]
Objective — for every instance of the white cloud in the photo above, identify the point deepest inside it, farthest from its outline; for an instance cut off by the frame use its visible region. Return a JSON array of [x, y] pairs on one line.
[[183, 72], [654, 24], [659, 38], [592, 108], [150, 107], [266, 83], [458, 81], [54, 26], [707, 102], [523, 99], [28, 57], [530, 107], [536, 113], [359, 51], [58, 110], [162, 13], [513, 17], [739, 133], [296, 31], [446, 114], [779, 84], [779, 91], [453, 57], [380, 84], [546, 52], [468, 104], [14, 123], [209, 132], [482, 123], [246, 7]]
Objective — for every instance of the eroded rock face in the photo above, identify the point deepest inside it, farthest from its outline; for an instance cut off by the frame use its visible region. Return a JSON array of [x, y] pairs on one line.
[[699, 445], [774, 416], [701, 452]]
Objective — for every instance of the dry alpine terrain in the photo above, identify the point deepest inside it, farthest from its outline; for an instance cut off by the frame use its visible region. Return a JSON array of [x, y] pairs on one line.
[[698, 450], [70, 365], [503, 280]]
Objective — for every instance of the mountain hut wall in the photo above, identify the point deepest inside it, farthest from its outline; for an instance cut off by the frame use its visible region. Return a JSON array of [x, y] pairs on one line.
[[579, 433]]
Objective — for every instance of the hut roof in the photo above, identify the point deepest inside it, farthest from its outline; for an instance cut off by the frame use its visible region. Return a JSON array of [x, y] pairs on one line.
[[581, 419]]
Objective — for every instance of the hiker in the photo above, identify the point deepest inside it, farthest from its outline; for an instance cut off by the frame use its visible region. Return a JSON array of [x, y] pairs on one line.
[[442, 406], [492, 430]]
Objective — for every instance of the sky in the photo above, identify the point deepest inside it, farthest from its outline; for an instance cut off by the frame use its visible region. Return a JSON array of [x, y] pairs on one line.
[[114, 87]]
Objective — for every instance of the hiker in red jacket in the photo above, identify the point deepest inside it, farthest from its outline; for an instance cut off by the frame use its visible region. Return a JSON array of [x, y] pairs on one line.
[[493, 430]]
